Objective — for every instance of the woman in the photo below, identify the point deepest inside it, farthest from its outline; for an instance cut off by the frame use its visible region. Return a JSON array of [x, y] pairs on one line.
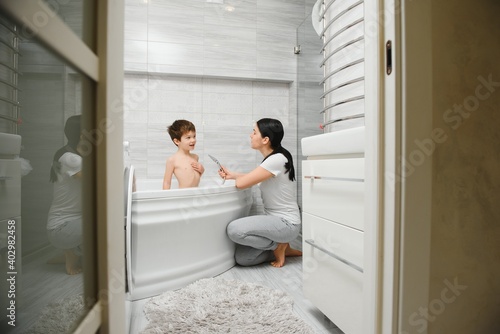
[[266, 237], [64, 225]]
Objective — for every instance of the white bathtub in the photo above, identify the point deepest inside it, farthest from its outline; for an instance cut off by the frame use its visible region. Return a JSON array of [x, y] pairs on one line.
[[175, 237]]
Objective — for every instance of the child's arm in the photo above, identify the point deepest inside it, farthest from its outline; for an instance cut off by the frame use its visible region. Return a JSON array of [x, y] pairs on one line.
[[169, 171]]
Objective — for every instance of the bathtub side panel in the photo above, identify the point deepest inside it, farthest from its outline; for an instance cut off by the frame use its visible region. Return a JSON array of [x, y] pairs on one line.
[[176, 241]]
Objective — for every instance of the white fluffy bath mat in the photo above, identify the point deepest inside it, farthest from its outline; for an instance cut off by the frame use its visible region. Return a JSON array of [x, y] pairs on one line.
[[216, 305], [59, 316]]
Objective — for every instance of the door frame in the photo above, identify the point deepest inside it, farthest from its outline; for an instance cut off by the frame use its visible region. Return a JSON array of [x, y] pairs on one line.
[[104, 66]]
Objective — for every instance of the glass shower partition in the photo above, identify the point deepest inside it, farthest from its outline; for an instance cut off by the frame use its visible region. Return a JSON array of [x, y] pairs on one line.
[[309, 89]]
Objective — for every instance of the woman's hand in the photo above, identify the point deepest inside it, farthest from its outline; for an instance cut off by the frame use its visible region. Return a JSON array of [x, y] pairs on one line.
[[226, 174]]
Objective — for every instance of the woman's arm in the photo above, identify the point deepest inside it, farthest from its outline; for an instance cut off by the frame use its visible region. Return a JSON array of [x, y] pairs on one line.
[[247, 180]]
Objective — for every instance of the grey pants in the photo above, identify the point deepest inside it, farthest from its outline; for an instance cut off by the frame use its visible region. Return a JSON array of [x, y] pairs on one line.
[[67, 236], [257, 236]]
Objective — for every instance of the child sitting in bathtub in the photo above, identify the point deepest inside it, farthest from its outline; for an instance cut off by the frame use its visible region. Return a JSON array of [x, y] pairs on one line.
[[183, 164]]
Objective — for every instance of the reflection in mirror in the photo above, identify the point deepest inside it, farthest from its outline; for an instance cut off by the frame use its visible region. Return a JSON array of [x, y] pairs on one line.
[[70, 11], [45, 102]]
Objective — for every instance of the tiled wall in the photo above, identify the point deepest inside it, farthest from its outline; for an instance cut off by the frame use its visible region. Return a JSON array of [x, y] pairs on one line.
[[222, 110], [251, 39]]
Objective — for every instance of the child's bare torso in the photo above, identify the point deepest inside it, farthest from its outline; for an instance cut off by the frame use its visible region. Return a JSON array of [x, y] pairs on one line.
[[186, 176]]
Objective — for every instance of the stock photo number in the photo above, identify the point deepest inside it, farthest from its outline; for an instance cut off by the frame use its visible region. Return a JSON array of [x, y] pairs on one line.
[[11, 273]]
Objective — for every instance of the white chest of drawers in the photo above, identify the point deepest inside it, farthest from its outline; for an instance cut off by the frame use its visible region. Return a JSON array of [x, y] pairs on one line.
[[333, 225]]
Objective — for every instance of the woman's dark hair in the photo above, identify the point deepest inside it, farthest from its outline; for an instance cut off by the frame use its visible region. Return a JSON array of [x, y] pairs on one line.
[[72, 130], [273, 129]]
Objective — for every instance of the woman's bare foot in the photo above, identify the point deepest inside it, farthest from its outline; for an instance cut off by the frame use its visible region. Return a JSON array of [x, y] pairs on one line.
[[279, 254], [290, 252], [283, 251], [72, 263]]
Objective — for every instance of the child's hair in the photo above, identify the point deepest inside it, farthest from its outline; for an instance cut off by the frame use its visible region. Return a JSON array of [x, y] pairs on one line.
[[273, 129], [180, 127]]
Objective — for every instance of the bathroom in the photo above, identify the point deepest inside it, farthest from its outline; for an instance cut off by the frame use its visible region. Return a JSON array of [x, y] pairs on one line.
[[221, 82], [208, 78]]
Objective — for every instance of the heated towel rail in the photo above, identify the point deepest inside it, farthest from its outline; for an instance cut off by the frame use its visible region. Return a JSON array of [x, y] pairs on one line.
[[10, 107], [343, 63]]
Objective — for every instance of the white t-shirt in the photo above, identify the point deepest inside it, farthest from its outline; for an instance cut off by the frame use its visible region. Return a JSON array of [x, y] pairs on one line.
[[279, 194], [67, 200]]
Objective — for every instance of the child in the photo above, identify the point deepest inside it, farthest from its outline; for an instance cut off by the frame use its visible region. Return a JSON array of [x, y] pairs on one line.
[[183, 164]]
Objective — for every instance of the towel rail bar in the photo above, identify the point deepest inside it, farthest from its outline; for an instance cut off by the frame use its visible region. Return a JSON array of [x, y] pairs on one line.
[[14, 103], [10, 85], [332, 73], [351, 99], [10, 47], [345, 11], [8, 118], [9, 81], [350, 82], [340, 48], [13, 69], [322, 14], [347, 27], [7, 26], [347, 118]]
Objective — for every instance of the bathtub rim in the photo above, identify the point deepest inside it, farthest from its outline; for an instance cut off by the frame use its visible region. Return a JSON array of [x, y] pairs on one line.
[[186, 192]]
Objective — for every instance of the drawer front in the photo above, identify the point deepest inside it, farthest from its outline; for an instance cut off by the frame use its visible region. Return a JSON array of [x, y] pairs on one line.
[[330, 284], [334, 189]]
